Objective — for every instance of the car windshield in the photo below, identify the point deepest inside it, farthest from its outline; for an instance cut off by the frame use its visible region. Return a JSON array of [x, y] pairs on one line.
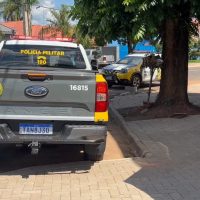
[[41, 56], [130, 60]]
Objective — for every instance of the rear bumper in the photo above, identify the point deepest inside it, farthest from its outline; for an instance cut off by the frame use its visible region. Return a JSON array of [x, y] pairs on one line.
[[68, 134]]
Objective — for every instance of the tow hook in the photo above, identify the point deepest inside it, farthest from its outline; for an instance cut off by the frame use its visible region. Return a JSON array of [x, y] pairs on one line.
[[35, 146]]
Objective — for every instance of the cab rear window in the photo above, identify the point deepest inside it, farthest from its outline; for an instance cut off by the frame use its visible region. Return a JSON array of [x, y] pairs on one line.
[[41, 56]]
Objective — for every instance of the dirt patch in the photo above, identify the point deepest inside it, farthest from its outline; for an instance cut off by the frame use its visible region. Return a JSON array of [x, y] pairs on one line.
[[153, 112], [118, 144]]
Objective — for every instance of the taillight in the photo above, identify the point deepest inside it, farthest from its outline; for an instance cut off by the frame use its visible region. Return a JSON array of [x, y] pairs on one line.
[[101, 97]]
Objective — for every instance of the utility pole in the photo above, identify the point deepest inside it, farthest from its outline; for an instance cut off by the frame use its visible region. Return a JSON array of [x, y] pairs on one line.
[[27, 18]]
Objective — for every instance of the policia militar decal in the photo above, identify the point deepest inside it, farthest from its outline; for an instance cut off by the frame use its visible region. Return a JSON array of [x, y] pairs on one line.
[[44, 53], [41, 59]]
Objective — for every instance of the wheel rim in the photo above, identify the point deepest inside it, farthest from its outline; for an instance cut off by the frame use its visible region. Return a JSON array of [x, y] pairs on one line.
[[115, 79], [136, 81]]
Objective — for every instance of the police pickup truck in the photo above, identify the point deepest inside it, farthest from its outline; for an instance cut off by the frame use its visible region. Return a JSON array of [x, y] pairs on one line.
[[50, 95]]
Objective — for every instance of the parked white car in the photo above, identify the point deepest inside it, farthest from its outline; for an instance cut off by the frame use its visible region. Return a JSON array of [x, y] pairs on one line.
[[98, 60]]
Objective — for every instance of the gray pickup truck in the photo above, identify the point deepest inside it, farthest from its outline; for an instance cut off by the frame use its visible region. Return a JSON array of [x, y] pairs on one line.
[[50, 95]]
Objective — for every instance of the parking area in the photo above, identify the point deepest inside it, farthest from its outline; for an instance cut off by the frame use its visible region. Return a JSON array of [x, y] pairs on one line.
[[13, 158], [60, 172], [74, 181]]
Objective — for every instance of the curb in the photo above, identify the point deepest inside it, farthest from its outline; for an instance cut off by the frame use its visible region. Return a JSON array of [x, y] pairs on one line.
[[141, 149]]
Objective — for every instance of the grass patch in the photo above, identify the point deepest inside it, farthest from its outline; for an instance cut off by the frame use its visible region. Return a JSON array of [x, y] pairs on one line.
[[194, 61]]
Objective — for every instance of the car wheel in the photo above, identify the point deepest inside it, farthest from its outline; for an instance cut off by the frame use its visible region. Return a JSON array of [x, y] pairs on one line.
[[94, 152], [136, 81], [115, 79], [110, 85]]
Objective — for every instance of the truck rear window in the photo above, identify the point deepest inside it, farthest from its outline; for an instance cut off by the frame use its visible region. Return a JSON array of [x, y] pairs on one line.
[[41, 56]]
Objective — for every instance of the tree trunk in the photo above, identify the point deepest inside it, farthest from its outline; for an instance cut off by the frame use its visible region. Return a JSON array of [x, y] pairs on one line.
[[130, 44], [174, 80], [30, 20], [27, 19]]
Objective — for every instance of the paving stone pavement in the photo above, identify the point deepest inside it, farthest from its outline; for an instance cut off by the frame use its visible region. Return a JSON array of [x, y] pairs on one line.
[[175, 148], [172, 170], [132, 178], [81, 180]]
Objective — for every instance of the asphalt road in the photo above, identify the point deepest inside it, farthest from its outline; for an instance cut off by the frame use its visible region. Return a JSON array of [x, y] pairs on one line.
[[194, 74]]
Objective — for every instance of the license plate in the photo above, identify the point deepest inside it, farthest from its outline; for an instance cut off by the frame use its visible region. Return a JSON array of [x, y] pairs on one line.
[[36, 129], [109, 78]]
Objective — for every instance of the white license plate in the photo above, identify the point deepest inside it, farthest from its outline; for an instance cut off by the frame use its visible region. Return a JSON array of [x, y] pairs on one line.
[[36, 129], [109, 78]]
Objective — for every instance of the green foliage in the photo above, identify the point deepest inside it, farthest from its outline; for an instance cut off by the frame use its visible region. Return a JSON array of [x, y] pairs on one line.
[[152, 14], [13, 10], [194, 53], [194, 61], [194, 43], [10, 10], [60, 22], [86, 41], [105, 20]]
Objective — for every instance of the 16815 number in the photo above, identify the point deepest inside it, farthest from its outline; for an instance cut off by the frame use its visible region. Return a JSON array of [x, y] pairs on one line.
[[79, 87]]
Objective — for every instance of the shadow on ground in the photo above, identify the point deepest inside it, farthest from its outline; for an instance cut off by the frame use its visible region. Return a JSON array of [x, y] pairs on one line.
[[172, 172], [13, 159], [167, 180]]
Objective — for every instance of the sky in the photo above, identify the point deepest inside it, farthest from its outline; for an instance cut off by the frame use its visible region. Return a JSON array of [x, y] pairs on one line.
[[40, 14]]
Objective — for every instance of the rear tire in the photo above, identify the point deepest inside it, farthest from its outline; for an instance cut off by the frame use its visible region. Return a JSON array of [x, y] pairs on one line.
[[110, 85], [94, 152], [136, 81], [115, 79]]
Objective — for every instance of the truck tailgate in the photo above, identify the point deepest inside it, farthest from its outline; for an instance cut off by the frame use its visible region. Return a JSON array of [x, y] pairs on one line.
[[47, 95]]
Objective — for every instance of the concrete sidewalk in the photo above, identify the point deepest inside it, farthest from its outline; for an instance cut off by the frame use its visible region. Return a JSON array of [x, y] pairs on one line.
[[171, 170]]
